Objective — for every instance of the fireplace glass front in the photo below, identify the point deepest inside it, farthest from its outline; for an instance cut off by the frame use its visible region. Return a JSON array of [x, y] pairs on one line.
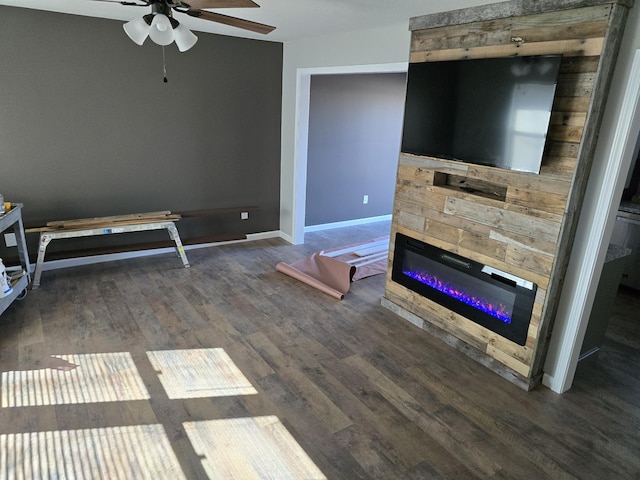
[[494, 299]]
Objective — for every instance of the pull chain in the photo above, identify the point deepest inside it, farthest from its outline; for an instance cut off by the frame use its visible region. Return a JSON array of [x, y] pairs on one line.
[[164, 66]]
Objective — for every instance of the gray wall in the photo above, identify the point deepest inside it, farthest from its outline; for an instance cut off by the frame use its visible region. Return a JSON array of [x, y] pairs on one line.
[[88, 128], [355, 126]]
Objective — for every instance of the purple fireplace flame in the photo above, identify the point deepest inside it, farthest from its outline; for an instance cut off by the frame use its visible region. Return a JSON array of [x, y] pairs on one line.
[[497, 310], [492, 298]]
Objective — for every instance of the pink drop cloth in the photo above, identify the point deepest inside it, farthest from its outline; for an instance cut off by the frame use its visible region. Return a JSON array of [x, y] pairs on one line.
[[332, 271]]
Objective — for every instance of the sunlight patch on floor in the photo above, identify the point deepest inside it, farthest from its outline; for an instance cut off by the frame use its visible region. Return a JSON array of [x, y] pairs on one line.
[[198, 373], [70, 379], [250, 448], [140, 452], [243, 448]]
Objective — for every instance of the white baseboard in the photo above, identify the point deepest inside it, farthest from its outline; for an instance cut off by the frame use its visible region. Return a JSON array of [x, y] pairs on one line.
[[287, 238], [348, 223]]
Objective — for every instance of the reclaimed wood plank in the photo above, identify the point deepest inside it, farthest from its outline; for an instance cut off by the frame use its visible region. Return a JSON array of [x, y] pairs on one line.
[[445, 166], [542, 182], [505, 10], [465, 239], [105, 224], [113, 218], [580, 64], [546, 32], [408, 220], [523, 241], [571, 104], [502, 219], [574, 24], [457, 222], [575, 84], [569, 48], [417, 175], [415, 194], [443, 318], [577, 119], [506, 359], [534, 262], [546, 201]]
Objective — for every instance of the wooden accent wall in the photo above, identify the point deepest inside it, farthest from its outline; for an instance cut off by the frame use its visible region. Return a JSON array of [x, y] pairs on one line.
[[528, 229]]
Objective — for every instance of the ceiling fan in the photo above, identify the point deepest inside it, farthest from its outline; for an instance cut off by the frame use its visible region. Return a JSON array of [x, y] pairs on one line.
[[163, 29]]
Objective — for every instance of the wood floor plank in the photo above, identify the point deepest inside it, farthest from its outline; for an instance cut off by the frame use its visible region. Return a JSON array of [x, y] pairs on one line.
[[369, 452], [486, 421], [407, 447], [432, 422], [315, 400]]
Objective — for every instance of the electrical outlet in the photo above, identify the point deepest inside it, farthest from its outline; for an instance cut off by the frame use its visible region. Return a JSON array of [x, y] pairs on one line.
[[244, 215], [10, 239], [365, 199]]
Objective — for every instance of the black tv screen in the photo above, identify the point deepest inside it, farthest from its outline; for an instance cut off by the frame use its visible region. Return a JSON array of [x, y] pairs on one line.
[[493, 111]]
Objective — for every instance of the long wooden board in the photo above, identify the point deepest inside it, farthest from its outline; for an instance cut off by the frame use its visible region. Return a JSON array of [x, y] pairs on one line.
[[86, 222]]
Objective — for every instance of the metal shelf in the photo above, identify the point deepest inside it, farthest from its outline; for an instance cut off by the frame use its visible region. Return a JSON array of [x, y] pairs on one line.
[[18, 289], [12, 220]]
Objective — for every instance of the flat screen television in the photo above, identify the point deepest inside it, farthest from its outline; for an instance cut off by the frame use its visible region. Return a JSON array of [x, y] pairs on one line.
[[493, 111]]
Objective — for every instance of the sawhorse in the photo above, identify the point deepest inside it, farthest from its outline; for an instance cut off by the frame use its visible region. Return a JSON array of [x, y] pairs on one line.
[[108, 228]]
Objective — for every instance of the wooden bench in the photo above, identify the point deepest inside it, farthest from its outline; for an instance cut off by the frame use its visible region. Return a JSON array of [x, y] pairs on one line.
[[85, 227]]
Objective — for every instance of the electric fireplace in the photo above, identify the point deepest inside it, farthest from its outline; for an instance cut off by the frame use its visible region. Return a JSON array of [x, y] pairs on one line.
[[497, 300]]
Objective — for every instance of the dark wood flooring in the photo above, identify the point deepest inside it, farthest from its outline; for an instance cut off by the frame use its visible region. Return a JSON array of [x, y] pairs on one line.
[[363, 392]]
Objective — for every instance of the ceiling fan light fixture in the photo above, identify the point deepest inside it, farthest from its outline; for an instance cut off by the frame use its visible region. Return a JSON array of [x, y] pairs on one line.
[[160, 26], [185, 39], [137, 30], [161, 31]]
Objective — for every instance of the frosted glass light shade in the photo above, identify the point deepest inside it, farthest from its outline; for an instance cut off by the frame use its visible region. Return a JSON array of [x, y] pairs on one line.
[[161, 31], [137, 30], [185, 39]]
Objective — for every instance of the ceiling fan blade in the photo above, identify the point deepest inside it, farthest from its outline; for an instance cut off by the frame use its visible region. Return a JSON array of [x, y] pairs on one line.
[[203, 4], [144, 3], [232, 21]]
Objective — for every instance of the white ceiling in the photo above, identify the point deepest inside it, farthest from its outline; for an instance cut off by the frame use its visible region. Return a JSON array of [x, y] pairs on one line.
[[293, 19]]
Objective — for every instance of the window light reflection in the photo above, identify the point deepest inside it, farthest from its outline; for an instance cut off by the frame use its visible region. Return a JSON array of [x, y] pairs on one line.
[[250, 448], [140, 452], [253, 447], [85, 378], [197, 373]]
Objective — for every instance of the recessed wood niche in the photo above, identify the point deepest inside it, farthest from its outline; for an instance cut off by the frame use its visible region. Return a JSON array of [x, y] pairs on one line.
[[519, 223]]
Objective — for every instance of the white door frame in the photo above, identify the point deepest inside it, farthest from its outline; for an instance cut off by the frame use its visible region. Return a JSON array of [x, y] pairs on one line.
[[582, 277], [303, 96]]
